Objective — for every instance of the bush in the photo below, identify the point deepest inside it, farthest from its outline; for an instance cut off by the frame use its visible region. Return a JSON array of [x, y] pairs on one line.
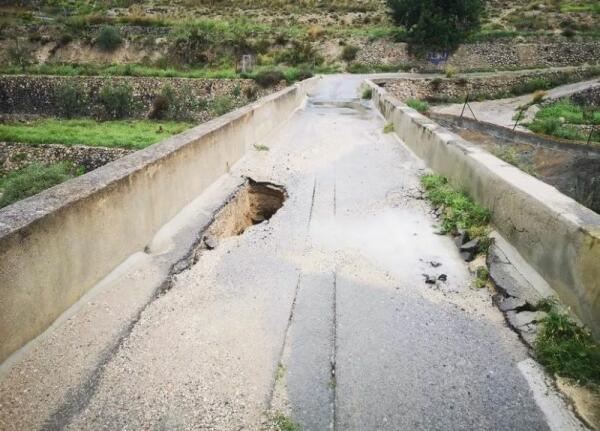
[[269, 78], [109, 38], [174, 105], [117, 101], [299, 53], [437, 23], [221, 105], [34, 179], [19, 54], [450, 71], [71, 100], [367, 93], [349, 53], [538, 96], [418, 105]]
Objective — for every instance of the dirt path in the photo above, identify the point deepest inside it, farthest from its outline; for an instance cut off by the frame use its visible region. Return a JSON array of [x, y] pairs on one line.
[[321, 313]]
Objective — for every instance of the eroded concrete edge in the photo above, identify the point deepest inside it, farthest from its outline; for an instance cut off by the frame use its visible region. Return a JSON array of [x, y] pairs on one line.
[[57, 245]]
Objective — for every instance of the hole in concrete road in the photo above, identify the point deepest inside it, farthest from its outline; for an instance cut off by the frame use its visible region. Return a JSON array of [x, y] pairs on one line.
[[254, 203]]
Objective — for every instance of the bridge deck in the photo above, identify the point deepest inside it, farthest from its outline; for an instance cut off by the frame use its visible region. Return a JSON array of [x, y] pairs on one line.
[[322, 313]]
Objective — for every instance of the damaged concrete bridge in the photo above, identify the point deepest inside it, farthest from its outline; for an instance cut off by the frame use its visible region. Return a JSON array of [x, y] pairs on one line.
[[269, 267]]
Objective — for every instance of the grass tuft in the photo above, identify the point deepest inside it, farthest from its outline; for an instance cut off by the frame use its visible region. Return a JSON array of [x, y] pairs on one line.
[[280, 422], [418, 105], [388, 128], [460, 212], [567, 349]]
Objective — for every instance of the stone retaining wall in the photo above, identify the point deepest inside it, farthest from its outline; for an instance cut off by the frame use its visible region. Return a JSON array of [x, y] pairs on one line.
[[25, 94], [557, 236], [481, 84], [15, 156], [500, 54]]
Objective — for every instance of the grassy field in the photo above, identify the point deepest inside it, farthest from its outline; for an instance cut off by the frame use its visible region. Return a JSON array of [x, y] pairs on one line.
[[33, 179], [561, 119], [123, 134]]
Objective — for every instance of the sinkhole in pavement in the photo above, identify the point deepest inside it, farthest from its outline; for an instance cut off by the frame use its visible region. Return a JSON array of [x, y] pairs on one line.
[[253, 203]]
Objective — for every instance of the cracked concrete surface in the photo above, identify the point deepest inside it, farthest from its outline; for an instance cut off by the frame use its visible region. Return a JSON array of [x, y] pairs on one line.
[[320, 313]]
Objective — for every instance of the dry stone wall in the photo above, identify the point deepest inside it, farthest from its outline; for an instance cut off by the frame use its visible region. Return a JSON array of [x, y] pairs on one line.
[[440, 88], [21, 94], [486, 55], [15, 156]]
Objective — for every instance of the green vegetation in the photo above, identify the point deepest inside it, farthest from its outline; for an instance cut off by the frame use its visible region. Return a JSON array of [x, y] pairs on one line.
[[71, 100], [349, 53], [367, 94], [33, 179], [482, 277], [388, 128], [510, 155], [459, 211], [567, 349], [562, 118], [174, 105], [281, 422], [109, 38], [418, 105], [124, 134], [437, 23], [221, 105], [117, 101], [261, 147]]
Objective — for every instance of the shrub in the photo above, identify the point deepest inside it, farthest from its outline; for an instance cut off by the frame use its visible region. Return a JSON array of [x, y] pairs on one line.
[[269, 78], [251, 92], [349, 53], [109, 38], [174, 105], [117, 101], [71, 100], [436, 83], [450, 71], [367, 93], [418, 105], [34, 179], [437, 23], [299, 53], [20, 55], [221, 105], [538, 96]]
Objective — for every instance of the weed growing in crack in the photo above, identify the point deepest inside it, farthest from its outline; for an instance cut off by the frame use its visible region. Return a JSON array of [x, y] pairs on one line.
[[388, 128], [280, 372], [483, 277], [367, 94], [280, 422], [458, 210], [261, 147], [568, 349]]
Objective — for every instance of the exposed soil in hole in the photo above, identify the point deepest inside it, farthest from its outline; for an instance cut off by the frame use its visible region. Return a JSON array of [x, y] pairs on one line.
[[254, 203]]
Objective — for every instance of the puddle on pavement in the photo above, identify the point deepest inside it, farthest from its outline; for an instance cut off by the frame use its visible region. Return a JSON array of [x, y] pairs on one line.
[[253, 203], [352, 107]]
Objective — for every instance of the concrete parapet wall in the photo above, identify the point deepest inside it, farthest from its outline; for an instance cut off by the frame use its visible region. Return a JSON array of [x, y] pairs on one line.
[[57, 245], [557, 236]]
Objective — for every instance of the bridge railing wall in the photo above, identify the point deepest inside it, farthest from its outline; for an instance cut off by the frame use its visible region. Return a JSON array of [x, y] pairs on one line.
[[556, 235], [56, 245]]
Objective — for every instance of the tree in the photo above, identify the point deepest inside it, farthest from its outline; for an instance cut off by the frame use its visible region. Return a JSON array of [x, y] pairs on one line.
[[437, 23]]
